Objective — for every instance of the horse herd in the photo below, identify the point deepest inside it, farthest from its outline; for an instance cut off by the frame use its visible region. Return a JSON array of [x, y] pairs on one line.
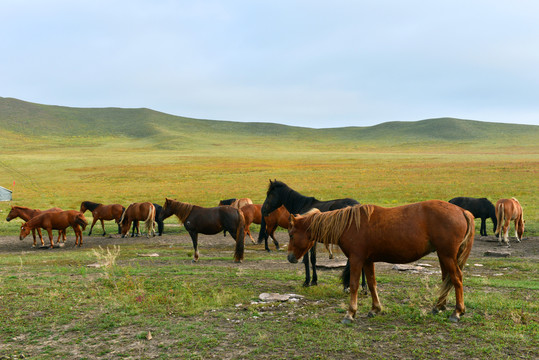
[[365, 233]]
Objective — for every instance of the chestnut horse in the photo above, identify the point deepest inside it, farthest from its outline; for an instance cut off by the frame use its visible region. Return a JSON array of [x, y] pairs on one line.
[[279, 217], [507, 210], [26, 214], [144, 211], [103, 212], [252, 214], [208, 221], [56, 220], [368, 234]]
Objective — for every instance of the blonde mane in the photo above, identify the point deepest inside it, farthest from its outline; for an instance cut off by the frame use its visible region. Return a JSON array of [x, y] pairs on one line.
[[328, 227]]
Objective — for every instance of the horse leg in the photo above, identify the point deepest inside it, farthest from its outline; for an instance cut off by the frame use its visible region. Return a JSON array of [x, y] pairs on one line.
[[368, 273], [40, 236], [248, 232], [275, 242], [78, 234], [505, 231], [307, 271], [355, 270], [103, 226], [516, 229], [34, 235], [135, 226], [194, 239], [483, 230], [91, 227], [328, 248], [314, 281], [49, 231], [453, 278]]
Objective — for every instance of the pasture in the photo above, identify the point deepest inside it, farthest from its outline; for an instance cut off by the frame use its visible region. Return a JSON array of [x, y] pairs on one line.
[[55, 306]]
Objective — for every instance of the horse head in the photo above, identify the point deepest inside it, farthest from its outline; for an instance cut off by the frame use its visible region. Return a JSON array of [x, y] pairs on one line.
[[273, 197], [300, 237], [167, 209], [25, 230]]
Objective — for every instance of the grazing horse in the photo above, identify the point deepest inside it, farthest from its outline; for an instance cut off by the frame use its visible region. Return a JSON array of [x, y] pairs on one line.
[[103, 212], [280, 194], [144, 211], [208, 221], [507, 210], [480, 208], [26, 214], [56, 220], [368, 234], [252, 214]]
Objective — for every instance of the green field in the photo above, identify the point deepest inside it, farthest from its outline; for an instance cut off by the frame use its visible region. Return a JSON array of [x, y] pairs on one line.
[[56, 307]]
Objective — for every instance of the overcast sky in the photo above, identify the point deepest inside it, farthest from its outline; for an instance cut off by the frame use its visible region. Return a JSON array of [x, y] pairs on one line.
[[306, 63]]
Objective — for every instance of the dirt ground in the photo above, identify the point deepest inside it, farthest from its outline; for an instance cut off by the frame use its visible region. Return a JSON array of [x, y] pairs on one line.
[[483, 246]]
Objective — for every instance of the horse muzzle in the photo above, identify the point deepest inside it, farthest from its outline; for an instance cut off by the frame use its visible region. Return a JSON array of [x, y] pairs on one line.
[[292, 258]]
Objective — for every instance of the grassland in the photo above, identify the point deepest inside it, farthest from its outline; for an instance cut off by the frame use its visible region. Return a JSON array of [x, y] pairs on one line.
[[56, 306]]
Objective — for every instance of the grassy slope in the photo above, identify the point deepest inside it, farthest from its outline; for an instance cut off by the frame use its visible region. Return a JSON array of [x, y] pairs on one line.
[[21, 117], [60, 156]]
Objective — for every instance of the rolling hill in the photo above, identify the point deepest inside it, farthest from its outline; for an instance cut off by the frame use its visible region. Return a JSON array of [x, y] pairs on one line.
[[35, 120]]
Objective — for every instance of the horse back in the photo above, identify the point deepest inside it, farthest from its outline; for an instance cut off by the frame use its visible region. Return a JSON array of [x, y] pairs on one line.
[[407, 233], [480, 208]]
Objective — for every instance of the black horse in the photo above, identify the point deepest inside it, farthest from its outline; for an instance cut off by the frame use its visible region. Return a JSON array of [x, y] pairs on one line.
[[480, 208], [158, 220], [280, 194]]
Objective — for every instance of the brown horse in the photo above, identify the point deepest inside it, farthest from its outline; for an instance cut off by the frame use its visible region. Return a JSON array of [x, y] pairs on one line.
[[26, 214], [507, 210], [103, 212], [208, 221], [368, 234], [252, 214], [279, 217], [144, 211], [56, 220]]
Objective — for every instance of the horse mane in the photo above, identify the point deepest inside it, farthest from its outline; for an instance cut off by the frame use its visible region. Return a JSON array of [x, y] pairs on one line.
[[181, 209], [290, 196], [328, 227], [90, 205]]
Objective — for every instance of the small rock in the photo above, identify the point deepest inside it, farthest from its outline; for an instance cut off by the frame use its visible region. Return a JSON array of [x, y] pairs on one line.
[[497, 253]]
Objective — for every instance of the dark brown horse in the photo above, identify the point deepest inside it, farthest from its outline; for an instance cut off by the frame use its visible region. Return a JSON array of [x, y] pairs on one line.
[[368, 234], [103, 212], [56, 220], [144, 211], [208, 221], [252, 214], [507, 210], [26, 214]]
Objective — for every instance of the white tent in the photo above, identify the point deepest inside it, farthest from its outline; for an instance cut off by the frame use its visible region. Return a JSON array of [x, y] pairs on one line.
[[5, 194]]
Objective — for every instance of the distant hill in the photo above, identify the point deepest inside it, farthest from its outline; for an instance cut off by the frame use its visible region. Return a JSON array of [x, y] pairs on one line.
[[36, 120]]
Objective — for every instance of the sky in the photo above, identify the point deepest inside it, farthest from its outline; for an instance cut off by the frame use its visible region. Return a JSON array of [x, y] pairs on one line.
[[316, 64]]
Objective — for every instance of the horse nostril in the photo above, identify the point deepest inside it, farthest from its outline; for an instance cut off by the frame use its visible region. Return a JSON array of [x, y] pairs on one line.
[[292, 258]]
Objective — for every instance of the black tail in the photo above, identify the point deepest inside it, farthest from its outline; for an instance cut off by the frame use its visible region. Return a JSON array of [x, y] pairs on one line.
[[262, 235]]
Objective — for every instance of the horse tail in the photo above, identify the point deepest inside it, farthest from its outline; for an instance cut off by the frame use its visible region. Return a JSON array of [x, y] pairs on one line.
[[464, 251], [150, 220], [262, 235], [240, 235], [499, 217], [123, 216]]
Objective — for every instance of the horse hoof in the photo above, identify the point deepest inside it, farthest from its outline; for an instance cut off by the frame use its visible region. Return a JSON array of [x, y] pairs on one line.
[[454, 318], [371, 314], [347, 321]]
